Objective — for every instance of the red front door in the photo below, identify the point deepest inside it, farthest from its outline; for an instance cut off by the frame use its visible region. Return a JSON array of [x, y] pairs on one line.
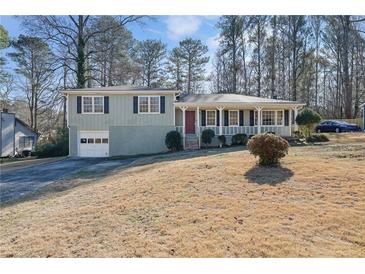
[[190, 122]]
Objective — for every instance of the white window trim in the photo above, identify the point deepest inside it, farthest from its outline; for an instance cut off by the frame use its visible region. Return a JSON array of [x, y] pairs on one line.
[[149, 104], [215, 118], [229, 118], [92, 105], [276, 116]]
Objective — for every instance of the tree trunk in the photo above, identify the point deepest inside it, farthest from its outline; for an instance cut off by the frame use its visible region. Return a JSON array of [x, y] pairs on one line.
[[345, 62], [273, 50], [80, 54], [64, 123]]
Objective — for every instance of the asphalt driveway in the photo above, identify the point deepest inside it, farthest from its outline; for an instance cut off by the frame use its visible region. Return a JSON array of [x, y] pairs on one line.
[[14, 184]]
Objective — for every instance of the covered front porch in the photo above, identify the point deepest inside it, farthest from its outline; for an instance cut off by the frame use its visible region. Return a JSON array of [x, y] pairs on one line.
[[229, 120]]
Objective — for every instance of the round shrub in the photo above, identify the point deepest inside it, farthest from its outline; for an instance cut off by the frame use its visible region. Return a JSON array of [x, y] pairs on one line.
[[222, 139], [307, 119], [239, 139], [207, 136], [173, 140], [269, 147]]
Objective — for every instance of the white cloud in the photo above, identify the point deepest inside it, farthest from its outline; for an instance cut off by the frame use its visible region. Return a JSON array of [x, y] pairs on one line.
[[180, 26]]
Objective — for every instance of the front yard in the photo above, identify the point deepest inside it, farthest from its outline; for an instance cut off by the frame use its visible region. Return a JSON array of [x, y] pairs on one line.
[[215, 205]]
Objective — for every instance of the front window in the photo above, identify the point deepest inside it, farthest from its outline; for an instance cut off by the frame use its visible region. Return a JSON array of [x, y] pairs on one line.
[[211, 118], [93, 104], [270, 118], [149, 104], [143, 104], [87, 103], [99, 104], [233, 118], [155, 104]]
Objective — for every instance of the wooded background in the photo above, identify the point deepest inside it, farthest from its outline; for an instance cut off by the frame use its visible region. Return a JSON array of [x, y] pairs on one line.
[[317, 60]]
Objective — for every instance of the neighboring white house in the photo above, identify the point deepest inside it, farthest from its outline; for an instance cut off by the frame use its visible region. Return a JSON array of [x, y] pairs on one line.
[[124, 120], [15, 135]]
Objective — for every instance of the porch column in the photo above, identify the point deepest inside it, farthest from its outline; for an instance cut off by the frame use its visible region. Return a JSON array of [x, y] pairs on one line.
[[183, 108], [220, 109], [290, 121], [198, 124], [295, 116], [259, 109]]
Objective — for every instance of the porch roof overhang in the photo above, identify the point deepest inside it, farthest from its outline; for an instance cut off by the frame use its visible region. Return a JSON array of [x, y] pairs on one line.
[[233, 100]]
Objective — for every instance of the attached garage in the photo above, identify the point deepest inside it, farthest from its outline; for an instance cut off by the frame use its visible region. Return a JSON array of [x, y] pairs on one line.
[[93, 144]]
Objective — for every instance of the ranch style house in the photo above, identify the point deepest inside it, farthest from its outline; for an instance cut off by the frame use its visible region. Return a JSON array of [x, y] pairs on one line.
[[125, 120]]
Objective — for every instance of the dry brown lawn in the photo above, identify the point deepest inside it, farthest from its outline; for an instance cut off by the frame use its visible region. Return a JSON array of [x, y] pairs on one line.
[[218, 205]]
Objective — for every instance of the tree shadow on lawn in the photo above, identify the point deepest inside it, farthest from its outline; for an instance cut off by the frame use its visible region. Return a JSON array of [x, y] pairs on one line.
[[268, 175]]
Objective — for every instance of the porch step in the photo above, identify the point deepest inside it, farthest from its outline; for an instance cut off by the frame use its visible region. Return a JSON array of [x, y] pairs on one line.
[[191, 143]]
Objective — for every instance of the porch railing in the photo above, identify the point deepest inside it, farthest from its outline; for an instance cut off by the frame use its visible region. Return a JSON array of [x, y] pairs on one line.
[[248, 130]]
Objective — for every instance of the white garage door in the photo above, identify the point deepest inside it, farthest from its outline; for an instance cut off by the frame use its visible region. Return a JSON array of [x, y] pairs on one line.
[[94, 144]]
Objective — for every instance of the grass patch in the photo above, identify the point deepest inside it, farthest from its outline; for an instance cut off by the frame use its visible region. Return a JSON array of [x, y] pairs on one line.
[[210, 205]]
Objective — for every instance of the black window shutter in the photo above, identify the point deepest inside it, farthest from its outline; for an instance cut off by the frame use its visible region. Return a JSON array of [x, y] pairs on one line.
[[78, 104], [241, 117], [106, 104], [218, 112], [252, 118], [135, 104], [226, 118], [286, 117], [162, 104], [203, 118]]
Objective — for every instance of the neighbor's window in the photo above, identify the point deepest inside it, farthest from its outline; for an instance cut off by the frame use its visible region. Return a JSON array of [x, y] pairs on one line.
[[26, 142], [211, 116], [92, 104], [149, 104], [233, 118]]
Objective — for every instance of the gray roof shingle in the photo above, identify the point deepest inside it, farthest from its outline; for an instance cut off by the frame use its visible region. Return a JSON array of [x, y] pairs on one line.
[[226, 98]]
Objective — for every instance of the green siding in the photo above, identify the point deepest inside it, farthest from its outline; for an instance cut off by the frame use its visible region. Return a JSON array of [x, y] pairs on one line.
[[120, 114], [130, 140], [73, 139]]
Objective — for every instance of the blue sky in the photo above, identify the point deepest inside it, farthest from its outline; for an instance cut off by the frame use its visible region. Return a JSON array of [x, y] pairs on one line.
[[169, 29]]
